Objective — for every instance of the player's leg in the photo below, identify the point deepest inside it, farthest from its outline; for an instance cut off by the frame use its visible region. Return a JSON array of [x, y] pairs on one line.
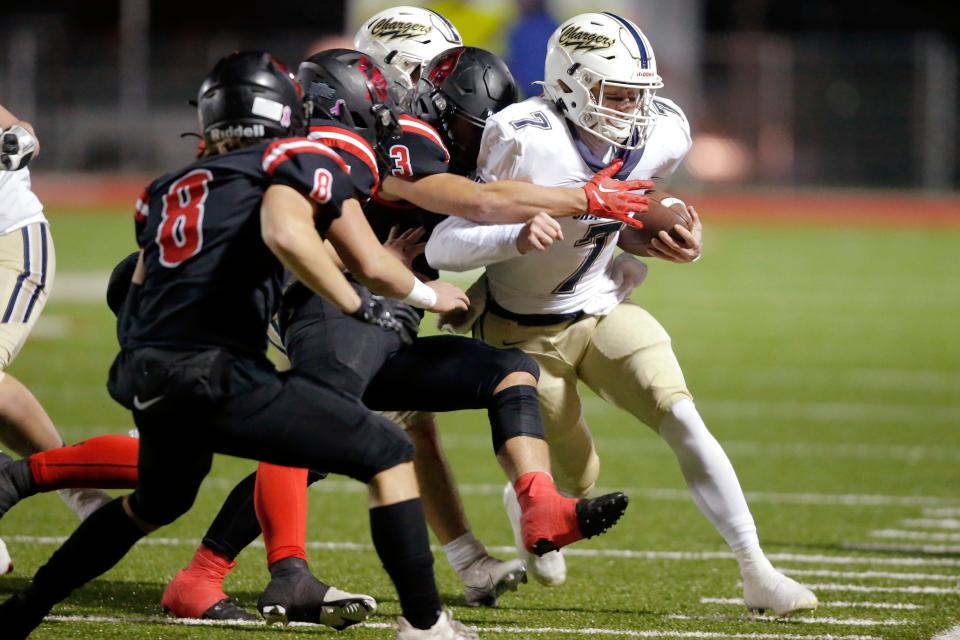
[[107, 462], [305, 424], [162, 495], [631, 364], [574, 461], [27, 271]]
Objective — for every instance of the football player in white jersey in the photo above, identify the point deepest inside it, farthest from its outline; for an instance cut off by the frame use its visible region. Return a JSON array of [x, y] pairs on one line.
[[554, 293], [27, 267], [402, 40]]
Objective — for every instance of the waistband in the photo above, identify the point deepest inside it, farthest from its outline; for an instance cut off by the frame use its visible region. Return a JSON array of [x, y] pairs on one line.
[[532, 319]]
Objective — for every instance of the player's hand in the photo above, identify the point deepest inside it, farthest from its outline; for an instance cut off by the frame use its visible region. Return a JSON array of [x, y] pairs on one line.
[[449, 297], [17, 147], [613, 199], [404, 245], [666, 248], [539, 233], [390, 314]]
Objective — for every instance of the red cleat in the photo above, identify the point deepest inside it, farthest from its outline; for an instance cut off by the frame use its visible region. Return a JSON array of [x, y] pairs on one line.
[[550, 521], [197, 590]]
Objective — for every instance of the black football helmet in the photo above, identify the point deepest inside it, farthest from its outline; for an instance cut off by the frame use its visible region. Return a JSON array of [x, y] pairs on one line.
[[249, 94], [456, 93], [346, 85]]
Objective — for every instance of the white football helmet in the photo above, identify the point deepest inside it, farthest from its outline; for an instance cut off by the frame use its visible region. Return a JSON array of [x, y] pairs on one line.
[[588, 56], [403, 39]]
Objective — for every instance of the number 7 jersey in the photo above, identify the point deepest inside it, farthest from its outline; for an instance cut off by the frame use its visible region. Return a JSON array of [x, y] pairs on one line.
[[531, 142]]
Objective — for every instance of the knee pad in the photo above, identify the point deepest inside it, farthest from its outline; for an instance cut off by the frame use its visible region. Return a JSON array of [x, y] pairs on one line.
[[513, 412], [390, 447], [520, 361]]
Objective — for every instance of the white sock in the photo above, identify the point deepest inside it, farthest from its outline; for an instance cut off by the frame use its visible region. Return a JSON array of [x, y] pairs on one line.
[[752, 559], [464, 550], [710, 476], [83, 502]]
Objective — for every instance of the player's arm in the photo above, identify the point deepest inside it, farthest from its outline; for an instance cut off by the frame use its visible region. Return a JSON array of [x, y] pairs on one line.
[[287, 228], [457, 244], [380, 271], [512, 201]]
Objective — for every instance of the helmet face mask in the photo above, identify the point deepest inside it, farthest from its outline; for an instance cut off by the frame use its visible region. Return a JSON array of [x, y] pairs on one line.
[[456, 93], [596, 60], [402, 40]]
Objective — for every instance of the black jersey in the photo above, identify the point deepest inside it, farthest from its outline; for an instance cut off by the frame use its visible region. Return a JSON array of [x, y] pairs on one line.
[[353, 149], [210, 280], [418, 151]]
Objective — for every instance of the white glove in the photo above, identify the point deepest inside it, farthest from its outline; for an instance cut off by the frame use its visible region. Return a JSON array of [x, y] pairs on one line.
[[17, 146]]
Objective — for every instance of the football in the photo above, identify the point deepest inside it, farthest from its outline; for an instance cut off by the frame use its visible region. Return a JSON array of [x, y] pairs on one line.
[[665, 211]]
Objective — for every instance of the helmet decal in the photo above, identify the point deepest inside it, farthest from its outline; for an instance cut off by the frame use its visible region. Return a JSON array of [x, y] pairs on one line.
[[390, 29], [444, 66], [378, 85], [580, 40]]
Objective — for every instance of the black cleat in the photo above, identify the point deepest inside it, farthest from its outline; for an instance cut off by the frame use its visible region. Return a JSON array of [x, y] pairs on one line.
[[16, 482], [228, 609], [597, 515], [295, 595]]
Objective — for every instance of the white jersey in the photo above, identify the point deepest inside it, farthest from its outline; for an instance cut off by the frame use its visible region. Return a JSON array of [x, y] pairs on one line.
[[18, 204], [531, 142]]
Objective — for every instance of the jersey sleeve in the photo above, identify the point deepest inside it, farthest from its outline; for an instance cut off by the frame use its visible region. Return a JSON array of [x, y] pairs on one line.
[[499, 152], [680, 140], [314, 170], [418, 151], [140, 212], [353, 149]]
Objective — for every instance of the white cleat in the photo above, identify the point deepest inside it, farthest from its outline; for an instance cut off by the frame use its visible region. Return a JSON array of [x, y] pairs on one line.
[[765, 588], [487, 578], [445, 628], [550, 569], [6, 564]]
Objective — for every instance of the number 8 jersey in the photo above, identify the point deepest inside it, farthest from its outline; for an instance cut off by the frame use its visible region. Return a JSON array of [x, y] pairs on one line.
[[210, 280], [531, 142]]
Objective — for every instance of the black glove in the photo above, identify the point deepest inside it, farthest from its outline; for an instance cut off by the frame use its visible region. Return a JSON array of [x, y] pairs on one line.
[[388, 313]]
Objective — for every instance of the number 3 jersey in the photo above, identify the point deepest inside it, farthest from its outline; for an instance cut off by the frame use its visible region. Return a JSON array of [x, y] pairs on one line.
[[531, 142], [210, 280]]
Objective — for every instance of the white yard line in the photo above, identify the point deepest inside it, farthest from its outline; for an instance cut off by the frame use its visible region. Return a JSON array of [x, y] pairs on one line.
[[931, 523], [639, 554], [932, 536], [859, 588], [942, 512], [949, 634], [866, 575], [936, 549], [832, 604], [589, 632], [849, 622]]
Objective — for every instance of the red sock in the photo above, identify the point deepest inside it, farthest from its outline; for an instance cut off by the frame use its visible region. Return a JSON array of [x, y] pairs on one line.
[[199, 586], [280, 499], [545, 513], [104, 462]]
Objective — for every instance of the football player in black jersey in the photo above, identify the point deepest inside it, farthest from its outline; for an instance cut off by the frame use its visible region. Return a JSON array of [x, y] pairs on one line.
[[446, 373], [215, 238]]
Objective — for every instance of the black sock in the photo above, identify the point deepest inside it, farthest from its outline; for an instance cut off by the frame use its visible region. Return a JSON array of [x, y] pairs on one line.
[[399, 534], [95, 547], [513, 412]]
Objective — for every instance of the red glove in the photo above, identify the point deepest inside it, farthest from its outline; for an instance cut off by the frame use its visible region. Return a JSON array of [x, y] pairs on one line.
[[611, 198]]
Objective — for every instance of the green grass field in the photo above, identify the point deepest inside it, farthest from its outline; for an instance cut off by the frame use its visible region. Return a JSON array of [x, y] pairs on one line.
[[826, 360]]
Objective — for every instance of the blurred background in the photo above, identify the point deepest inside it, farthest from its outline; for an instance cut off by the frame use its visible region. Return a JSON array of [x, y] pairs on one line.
[[825, 93]]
